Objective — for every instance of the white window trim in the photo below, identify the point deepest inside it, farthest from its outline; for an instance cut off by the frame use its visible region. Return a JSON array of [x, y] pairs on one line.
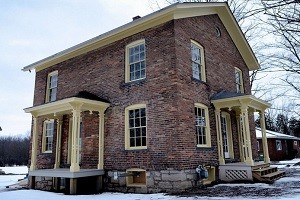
[[242, 80], [207, 133], [127, 134], [127, 67], [279, 142], [48, 85], [202, 62], [44, 136]]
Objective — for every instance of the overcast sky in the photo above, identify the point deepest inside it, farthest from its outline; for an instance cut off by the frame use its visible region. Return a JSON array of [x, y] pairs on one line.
[[31, 30]]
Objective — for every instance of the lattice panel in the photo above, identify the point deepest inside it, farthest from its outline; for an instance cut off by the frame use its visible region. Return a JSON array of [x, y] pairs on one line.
[[236, 174]]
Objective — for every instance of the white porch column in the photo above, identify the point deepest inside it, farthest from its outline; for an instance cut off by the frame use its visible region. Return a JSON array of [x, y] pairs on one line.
[[58, 143], [75, 138], [240, 138], [219, 136], [101, 140], [264, 137], [34, 144], [246, 135]]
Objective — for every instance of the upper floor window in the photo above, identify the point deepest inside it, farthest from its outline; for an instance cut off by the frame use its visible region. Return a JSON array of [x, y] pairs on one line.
[[135, 127], [135, 68], [239, 81], [198, 64], [52, 86], [48, 136], [202, 125]]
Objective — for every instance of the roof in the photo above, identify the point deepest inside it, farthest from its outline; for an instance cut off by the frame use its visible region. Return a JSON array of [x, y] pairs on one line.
[[226, 94], [275, 135], [175, 11]]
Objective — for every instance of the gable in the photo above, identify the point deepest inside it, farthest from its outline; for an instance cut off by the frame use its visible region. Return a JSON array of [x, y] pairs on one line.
[[176, 11]]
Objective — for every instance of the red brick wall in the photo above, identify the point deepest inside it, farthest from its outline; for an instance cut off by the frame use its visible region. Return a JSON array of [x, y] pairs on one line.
[[168, 91]]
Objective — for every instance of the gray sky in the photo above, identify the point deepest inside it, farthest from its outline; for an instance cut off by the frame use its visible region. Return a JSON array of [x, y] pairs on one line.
[[31, 30]]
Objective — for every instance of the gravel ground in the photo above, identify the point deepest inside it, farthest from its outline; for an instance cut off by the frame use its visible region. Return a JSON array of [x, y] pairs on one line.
[[286, 186]]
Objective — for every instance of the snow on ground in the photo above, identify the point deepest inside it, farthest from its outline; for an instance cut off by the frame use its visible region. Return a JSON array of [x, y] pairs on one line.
[[15, 170], [287, 188], [36, 195], [6, 180]]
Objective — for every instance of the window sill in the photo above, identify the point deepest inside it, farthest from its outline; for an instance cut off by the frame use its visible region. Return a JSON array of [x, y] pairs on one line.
[[202, 146], [135, 148], [133, 83]]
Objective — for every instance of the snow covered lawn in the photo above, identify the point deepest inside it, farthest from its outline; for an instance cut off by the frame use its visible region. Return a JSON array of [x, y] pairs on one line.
[[15, 170], [287, 188]]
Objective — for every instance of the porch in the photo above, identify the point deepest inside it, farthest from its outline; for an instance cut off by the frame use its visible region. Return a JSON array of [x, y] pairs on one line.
[[246, 169], [258, 172], [73, 175]]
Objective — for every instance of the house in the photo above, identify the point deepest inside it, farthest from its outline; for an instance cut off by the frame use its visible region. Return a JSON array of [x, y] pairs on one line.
[[139, 108], [281, 146]]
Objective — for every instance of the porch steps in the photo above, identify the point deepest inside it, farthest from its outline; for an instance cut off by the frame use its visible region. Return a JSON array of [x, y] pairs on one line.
[[265, 173]]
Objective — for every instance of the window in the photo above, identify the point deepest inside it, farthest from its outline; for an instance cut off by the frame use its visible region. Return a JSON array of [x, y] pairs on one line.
[[137, 178], [239, 81], [135, 61], [198, 66], [51, 87], [202, 125], [278, 145], [48, 136], [135, 127]]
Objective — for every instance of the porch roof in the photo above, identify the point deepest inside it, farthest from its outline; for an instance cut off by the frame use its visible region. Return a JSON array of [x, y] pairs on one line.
[[66, 106], [232, 100]]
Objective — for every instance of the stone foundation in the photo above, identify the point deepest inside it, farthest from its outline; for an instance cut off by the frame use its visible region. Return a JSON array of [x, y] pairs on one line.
[[169, 180], [43, 183]]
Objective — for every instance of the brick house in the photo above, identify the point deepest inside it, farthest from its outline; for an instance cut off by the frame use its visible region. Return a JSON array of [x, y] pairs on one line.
[[281, 146], [140, 107]]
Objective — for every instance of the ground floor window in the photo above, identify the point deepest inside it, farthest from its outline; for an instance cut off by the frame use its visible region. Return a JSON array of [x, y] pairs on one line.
[[48, 136], [136, 127], [278, 145], [202, 125]]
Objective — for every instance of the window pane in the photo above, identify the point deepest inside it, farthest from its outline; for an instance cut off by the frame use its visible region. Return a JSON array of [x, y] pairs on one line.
[[138, 141], [131, 123], [143, 121], [131, 51], [143, 141], [137, 75], [132, 142], [142, 47], [137, 113], [137, 122], [142, 65], [131, 59], [142, 56], [132, 133], [144, 131], [196, 71]]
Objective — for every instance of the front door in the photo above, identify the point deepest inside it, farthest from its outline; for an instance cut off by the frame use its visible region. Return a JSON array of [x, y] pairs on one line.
[[225, 126]]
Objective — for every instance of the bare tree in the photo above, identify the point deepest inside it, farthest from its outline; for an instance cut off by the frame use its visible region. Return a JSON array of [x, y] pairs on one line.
[[283, 19]]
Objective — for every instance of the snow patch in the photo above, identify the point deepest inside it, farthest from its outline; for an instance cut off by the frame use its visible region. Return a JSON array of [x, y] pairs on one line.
[[15, 170]]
